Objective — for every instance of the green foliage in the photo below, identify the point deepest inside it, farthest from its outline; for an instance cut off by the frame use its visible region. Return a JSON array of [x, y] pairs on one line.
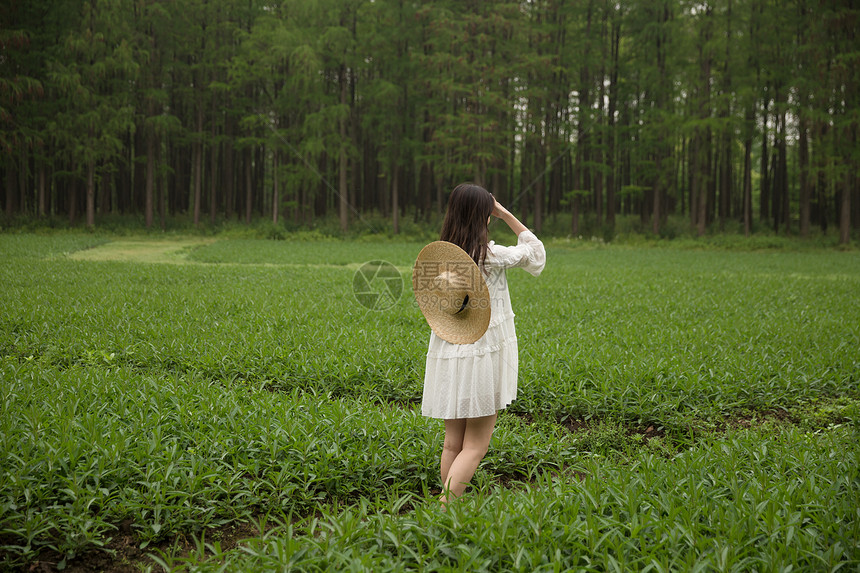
[[322, 100], [678, 409], [100, 61], [733, 516]]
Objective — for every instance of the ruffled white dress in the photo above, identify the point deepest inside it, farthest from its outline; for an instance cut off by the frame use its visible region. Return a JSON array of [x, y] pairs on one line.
[[479, 379]]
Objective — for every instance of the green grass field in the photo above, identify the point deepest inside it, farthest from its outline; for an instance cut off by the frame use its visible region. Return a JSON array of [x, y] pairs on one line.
[[200, 404]]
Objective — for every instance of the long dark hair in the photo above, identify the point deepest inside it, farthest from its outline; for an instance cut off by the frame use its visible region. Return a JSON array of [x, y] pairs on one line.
[[469, 207]]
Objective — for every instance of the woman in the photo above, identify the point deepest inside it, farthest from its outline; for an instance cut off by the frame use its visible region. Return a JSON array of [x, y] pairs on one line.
[[467, 384]]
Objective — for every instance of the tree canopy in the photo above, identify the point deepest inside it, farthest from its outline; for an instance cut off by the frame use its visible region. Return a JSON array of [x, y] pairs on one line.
[[729, 110]]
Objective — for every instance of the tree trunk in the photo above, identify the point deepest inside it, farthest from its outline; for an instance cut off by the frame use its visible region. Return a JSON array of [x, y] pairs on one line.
[[198, 167], [847, 179], [91, 194], [73, 201], [725, 165], [597, 151], [702, 176], [539, 200], [747, 194], [693, 175], [805, 193], [821, 182], [150, 178], [395, 198], [276, 194], [612, 104], [775, 186], [658, 191], [343, 190], [249, 184], [213, 165], [855, 202], [229, 175], [703, 149], [583, 148], [11, 184], [178, 187], [704, 184], [259, 177], [540, 184], [42, 198], [577, 178], [783, 174], [661, 155], [22, 181], [764, 186], [725, 200], [342, 163], [845, 210], [161, 190], [425, 189]]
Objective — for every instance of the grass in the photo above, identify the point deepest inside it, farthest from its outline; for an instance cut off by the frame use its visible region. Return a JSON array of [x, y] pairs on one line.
[[703, 510], [678, 409]]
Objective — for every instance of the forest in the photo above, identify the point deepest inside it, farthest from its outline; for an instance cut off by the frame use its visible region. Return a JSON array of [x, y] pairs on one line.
[[725, 113]]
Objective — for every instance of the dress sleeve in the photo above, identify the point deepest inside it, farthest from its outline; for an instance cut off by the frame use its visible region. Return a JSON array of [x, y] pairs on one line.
[[528, 254]]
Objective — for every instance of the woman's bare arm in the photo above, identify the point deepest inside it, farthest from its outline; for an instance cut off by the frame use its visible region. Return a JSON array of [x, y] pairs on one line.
[[506, 216]]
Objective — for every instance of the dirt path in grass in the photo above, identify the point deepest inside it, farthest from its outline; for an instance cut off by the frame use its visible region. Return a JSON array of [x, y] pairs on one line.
[[143, 250], [176, 251]]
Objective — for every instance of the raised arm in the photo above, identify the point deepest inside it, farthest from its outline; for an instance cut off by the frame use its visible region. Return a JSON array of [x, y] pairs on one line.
[[528, 254], [506, 216]]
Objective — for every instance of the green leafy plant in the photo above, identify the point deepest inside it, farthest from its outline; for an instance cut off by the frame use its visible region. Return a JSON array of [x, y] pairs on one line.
[[678, 409]]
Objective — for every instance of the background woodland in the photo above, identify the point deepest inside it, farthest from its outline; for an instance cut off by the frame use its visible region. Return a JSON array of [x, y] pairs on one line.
[[740, 113]]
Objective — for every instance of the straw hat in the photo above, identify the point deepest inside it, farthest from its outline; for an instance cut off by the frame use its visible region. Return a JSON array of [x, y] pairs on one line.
[[451, 292]]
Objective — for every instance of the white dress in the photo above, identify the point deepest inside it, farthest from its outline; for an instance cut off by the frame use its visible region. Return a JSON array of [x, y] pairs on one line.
[[479, 379]]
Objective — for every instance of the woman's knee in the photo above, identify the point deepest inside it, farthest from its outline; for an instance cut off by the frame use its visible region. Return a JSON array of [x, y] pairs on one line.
[[453, 444], [477, 447], [455, 433], [478, 434], [477, 450]]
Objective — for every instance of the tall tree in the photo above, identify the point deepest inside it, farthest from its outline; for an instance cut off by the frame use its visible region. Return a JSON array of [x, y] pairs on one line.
[[95, 80], [648, 108]]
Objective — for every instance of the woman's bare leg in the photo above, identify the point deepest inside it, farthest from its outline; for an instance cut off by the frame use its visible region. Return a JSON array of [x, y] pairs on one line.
[[476, 441], [454, 432]]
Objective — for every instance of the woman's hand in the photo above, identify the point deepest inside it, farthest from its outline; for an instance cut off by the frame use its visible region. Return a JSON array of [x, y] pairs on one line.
[[498, 210], [505, 215]]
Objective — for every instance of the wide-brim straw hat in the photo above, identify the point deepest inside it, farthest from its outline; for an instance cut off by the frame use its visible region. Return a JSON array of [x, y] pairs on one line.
[[451, 292]]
